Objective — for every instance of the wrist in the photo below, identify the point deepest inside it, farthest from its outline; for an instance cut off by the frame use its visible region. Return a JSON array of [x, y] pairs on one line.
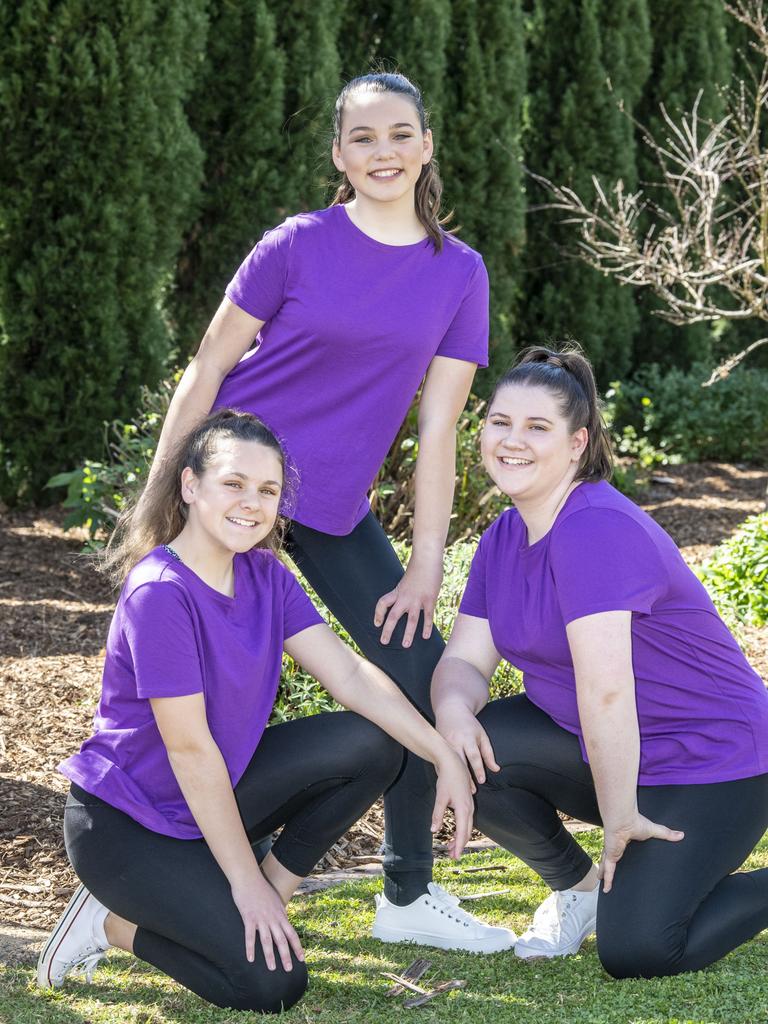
[[247, 876], [427, 551]]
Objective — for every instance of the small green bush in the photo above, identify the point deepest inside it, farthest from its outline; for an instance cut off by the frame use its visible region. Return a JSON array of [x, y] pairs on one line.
[[300, 695], [98, 491], [737, 574], [673, 415]]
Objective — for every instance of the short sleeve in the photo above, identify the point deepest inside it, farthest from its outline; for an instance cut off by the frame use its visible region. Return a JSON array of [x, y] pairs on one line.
[[259, 285], [298, 611], [467, 335], [160, 634], [602, 561], [474, 600]]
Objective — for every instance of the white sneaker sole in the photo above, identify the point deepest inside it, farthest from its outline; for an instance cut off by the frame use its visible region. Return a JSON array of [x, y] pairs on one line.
[[385, 934], [58, 936], [533, 953]]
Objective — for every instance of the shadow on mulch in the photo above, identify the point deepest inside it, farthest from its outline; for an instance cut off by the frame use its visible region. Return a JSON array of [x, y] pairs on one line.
[[707, 501]]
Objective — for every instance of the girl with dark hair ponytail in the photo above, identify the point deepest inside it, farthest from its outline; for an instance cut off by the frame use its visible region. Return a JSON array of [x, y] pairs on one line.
[[640, 711], [181, 774], [352, 309]]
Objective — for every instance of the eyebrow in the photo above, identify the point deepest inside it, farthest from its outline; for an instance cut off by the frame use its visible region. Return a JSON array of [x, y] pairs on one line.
[[507, 417], [366, 128], [243, 476]]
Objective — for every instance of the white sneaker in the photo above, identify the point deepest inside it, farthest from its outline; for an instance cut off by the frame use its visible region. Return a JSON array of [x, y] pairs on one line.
[[77, 943], [436, 919], [560, 925]]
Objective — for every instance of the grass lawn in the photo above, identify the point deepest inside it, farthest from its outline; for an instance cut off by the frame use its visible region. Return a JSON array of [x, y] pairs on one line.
[[346, 986]]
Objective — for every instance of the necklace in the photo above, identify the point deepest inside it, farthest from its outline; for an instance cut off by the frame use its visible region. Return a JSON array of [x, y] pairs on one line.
[[171, 552]]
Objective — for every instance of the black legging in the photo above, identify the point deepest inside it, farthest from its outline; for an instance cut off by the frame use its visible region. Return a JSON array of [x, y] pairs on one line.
[[350, 574], [673, 907], [315, 776]]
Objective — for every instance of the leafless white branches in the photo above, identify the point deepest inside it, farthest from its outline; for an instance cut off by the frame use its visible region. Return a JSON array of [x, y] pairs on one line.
[[705, 254]]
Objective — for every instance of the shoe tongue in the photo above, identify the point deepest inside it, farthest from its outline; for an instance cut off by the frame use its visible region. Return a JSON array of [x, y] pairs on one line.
[[442, 894]]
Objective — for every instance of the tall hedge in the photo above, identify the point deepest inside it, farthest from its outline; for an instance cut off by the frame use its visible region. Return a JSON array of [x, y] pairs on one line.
[[482, 126], [99, 176], [307, 33], [237, 112], [690, 55], [575, 129]]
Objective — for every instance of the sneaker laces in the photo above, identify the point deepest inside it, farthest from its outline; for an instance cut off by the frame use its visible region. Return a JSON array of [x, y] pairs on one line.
[[86, 962], [549, 917], [452, 908]]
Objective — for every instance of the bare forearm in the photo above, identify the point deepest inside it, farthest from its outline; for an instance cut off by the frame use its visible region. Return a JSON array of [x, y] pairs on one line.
[[435, 476], [457, 684], [190, 404], [204, 781], [369, 692], [612, 739]]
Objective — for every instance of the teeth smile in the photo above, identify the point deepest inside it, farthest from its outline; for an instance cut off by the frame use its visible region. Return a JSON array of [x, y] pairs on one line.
[[241, 522], [515, 462], [386, 174]]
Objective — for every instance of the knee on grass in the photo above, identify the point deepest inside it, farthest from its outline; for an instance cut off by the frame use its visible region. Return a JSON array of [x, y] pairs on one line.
[[258, 990], [637, 957]]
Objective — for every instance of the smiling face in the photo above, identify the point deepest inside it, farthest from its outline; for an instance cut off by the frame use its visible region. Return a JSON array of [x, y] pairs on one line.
[[235, 502], [527, 445], [381, 147]]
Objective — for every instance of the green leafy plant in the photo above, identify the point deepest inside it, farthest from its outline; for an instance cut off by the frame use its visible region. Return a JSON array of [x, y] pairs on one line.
[[98, 491], [737, 574], [664, 416]]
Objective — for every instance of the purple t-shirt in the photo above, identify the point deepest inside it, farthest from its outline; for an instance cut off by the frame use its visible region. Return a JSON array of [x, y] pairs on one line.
[[172, 635], [703, 711], [351, 327]]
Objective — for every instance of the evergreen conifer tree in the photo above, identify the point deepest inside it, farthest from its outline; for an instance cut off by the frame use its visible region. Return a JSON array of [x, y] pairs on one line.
[[99, 176], [690, 55], [575, 129], [480, 148], [237, 113], [307, 32]]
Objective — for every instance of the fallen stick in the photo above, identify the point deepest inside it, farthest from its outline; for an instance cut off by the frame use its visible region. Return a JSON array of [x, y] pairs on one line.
[[482, 895], [438, 990], [411, 974], [487, 867]]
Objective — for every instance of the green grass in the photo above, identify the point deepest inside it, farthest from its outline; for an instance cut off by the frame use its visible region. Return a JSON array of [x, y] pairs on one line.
[[346, 986]]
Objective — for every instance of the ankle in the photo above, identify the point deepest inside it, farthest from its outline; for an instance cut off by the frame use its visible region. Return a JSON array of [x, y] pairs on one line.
[[402, 893], [588, 883], [118, 932]]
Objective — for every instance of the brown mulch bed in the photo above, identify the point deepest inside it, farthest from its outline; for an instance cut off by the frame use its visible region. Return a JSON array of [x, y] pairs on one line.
[[54, 615]]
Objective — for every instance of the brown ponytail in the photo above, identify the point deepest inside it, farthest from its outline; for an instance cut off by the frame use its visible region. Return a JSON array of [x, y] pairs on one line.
[[568, 374], [429, 187], [159, 513]]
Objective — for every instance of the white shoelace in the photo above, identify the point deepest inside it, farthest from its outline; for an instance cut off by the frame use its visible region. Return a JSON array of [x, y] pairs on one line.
[[86, 962], [444, 899], [549, 918]]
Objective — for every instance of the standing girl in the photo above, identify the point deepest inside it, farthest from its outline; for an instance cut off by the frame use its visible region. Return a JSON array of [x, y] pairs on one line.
[[640, 712], [351, 308], [180, 774]]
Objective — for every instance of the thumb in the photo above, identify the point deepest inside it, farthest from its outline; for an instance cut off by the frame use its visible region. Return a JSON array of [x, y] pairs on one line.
[[670, 834]]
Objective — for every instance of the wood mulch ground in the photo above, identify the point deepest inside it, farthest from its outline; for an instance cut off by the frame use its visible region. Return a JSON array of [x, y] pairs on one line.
[[54, 614]]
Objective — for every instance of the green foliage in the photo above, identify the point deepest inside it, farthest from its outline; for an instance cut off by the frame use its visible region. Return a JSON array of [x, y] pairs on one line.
[[479, 151], [99, 177], [574, 129], [737, 574], [476, 501], [300, 695], [237, 111], [307, 32], [690, 55], [670, 410], [98, 491]]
